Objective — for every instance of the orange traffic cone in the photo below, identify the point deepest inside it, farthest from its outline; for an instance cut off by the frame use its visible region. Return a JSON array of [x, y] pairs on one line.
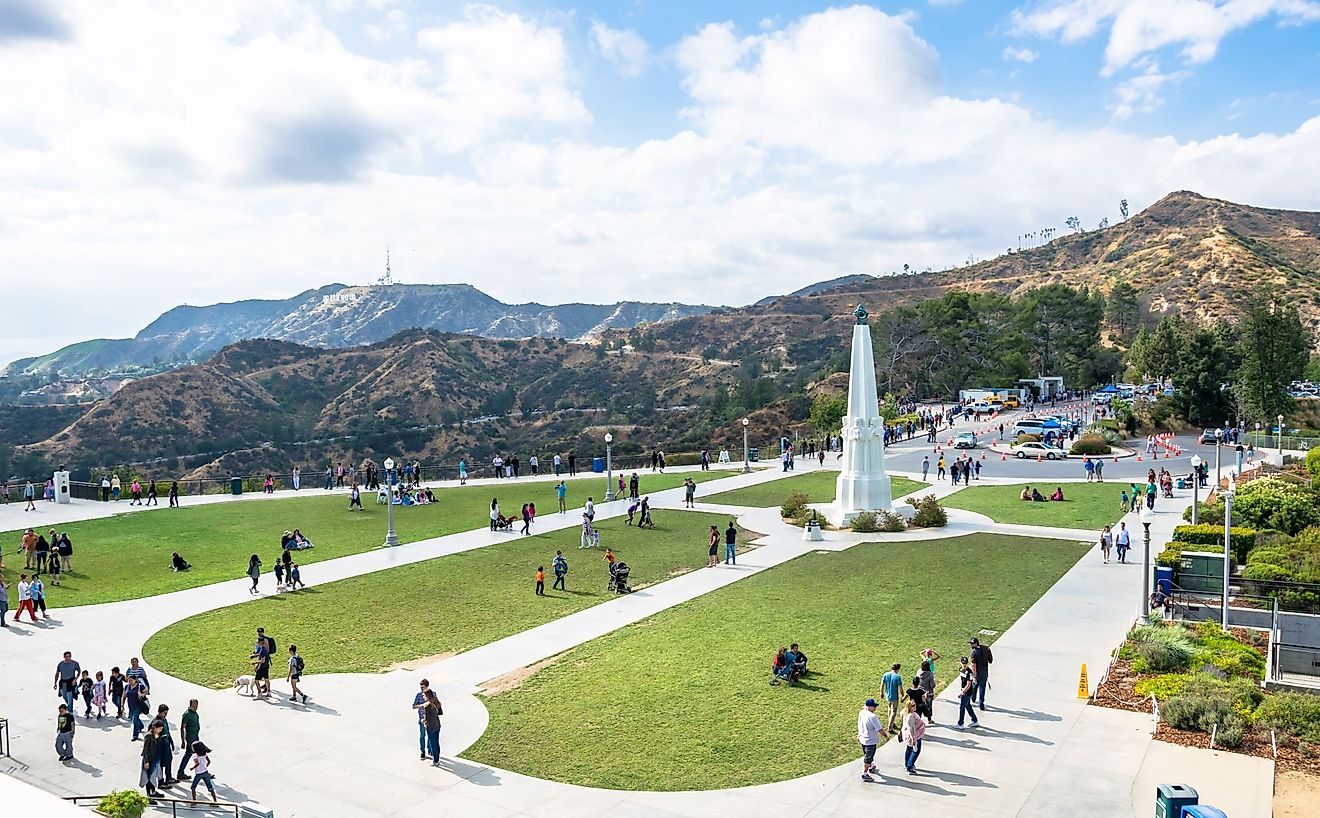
[[1003, 457], [1138, 458], [1037, 458], [1115, 458]]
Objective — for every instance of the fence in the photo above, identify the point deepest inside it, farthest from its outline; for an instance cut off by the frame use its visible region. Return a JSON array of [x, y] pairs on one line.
[[175, 805]]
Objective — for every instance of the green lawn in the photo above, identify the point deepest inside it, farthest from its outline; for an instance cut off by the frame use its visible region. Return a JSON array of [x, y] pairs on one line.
[[681, 701], [128, 556], [445, 605], [819, 486], [1085, 505]]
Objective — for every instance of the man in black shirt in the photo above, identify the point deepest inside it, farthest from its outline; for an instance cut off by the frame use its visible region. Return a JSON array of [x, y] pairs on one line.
[[981, 659]]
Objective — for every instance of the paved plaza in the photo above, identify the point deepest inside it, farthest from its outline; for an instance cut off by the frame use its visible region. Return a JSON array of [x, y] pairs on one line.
[[350, 752]]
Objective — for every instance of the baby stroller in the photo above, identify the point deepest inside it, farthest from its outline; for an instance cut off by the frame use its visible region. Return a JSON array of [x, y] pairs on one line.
[[503, 523], [619, 578]]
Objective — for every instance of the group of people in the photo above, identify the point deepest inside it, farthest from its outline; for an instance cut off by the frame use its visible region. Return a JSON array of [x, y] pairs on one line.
[[127, 695], [1031, 495], [29, 494], [730, 546], [263, 655], [962, 470], [1131, 498], [288, 574], [112, 489], [910, 711], [1109, 540]]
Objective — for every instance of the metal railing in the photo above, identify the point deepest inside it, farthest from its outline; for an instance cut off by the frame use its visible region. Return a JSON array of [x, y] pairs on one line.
[[174, 804]]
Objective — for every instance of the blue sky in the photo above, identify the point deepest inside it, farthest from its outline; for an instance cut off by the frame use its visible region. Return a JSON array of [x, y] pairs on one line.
[[153, 154]]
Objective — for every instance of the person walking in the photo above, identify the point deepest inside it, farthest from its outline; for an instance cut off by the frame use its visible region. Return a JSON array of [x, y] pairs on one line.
[[731, 544], [165, 746], [560, 566], [65, 724], [30, 496], [527, 520], [572, 465], [925, 467], [64, 549], [4, 602], [66, 679], [494, 512], [1106, 543], [174, 494], [296, 665], [869, 733], [892, 682], [254, 572], [38, 590], [190, 730], [1123, 541], [714, 547], [261, 665], [135, 698], [982, 658], [966, 694], [561, 494], [150, 760], [540, 580], [201, 769], [914, 730], [939, 468], [116, 685], [926, 681], [419, 705]]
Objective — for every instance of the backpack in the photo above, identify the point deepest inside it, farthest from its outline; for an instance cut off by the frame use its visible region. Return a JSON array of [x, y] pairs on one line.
[[298, 663], [270, 644]]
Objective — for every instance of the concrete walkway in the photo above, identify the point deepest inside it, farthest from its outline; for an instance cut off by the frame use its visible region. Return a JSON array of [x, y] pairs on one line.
[[348, 752]]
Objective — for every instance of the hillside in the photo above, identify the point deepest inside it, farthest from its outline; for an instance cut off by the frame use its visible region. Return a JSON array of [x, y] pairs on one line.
[[338, 316]]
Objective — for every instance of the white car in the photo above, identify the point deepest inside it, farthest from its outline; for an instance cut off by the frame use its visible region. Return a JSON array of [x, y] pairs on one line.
[[964, 440], [1035, 449]]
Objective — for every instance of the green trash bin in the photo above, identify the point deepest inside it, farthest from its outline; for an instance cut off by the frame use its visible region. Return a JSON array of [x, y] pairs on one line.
[[1171, 798], [753, 454], [235, 486]]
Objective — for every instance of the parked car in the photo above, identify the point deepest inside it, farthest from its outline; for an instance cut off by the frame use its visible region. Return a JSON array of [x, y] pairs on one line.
[[964, 440], [1207, 437], [1038, 450], [1010, 402]]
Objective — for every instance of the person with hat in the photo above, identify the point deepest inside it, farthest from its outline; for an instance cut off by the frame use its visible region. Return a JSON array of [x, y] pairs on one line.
[[966, 693], [981, 659], [869, 733]]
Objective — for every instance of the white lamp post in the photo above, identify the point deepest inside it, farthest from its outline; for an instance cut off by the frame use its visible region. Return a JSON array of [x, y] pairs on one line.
[[609, 468], [1144, 515], [1280, 419], [747, 455], [391, 539], [1196, 486], [1228, 522], [1219, 441], [1258, 434]]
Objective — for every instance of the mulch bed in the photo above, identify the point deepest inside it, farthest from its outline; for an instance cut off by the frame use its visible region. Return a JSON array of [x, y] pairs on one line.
[[1118, 693]]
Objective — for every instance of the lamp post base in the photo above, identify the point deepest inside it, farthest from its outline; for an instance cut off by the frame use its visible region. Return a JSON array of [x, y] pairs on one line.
[[747, 468], [391, 540], [609, 496]]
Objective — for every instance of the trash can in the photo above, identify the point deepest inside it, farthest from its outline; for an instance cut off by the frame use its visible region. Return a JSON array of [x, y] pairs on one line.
[[1171, 798], [1164, 578], [598, 465], [235, 486], [1203, 811], [753, 454]]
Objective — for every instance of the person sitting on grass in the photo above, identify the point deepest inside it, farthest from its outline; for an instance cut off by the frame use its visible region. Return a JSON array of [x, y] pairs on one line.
[[295, 541], [1026, 494], [1037, 497], [799, 659], [1057, 496]]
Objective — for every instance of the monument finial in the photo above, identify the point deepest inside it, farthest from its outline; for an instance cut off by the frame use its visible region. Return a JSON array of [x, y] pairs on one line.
[[860, 314]]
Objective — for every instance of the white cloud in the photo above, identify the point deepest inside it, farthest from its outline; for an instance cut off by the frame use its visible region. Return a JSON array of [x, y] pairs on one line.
[[1139, 27], [1020, 54], [213, 152], [1144, 92], [625, 50]]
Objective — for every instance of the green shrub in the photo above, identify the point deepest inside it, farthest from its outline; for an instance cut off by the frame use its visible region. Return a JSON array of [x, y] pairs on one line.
[[1154, 657], [1090, 444], [1027, 438], [866, 523], [891, 522], [1162, 687], [1206, 701], [1185, 712], [1266, 571], [930, 514], [124, 804], [1231, 732], [1313, 462], [795, 505], [1240, 539], [1295, 713]]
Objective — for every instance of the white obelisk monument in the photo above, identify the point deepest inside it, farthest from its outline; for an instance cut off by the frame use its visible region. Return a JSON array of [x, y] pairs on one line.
[[863, 484]]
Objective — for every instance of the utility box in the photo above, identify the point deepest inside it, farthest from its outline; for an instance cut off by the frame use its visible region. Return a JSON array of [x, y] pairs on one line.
[[1171, 798], [62, 487], [1164, 578], [1201, 571]]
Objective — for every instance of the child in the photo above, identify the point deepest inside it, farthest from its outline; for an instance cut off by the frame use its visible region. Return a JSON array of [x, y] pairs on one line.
[[85, 688], [632, 510], [98, 695], [279, 576], [54, 567], [295, 578], [201, 769], [540, 581], [1123, 503]]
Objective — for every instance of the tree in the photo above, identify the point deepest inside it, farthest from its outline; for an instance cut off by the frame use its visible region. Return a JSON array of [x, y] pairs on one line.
[[1063, 326], [1205, 364], [1123, 207], [1122, 308], [1157, 354], [1074, 223], [827, 413], [1274, 349]]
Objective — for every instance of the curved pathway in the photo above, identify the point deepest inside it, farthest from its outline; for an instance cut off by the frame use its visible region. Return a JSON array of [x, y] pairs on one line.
[[349, 752]]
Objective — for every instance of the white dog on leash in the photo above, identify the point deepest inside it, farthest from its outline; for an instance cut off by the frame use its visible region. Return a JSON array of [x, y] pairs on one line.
[[245, 684]]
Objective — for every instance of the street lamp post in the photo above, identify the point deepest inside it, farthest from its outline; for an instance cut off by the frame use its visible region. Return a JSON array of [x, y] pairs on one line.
[[1280, 439], [1219, 440], [391, 539], [1144, 515], [1228, 522], [1258, 434], [747, 454], [609, 468], [1196, 487]]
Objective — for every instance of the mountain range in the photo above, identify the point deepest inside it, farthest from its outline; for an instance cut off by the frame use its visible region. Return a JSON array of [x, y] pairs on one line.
[[260, 404], [340, 316]]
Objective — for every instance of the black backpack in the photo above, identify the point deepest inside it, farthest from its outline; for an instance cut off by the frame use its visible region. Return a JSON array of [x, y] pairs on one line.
[[270, 644], [298, 663]]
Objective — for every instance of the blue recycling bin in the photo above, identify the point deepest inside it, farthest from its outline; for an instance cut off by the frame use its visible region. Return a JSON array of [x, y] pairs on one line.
[[1203, 811], [1172, 799], [598, 465], [1164, 578]]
